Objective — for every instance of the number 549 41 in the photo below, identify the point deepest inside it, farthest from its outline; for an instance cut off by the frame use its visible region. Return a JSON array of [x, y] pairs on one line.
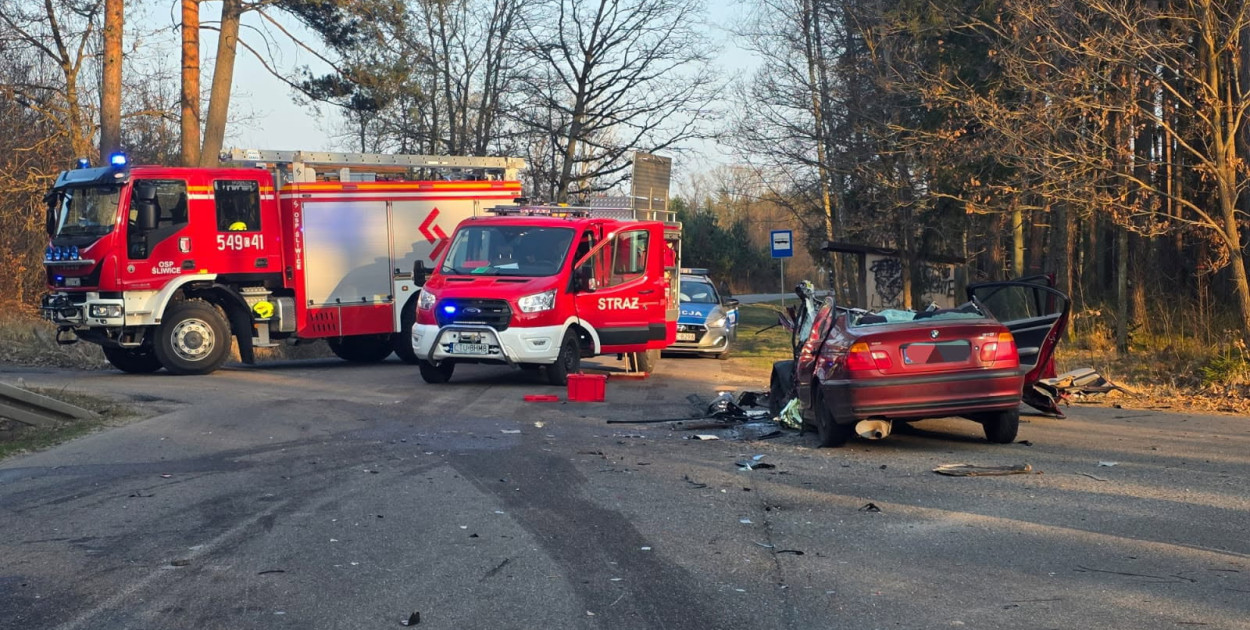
[[240, 241]]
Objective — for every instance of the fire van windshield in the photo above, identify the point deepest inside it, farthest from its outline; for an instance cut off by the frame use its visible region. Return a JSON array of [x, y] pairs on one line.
[[84, 211], [508, 250]]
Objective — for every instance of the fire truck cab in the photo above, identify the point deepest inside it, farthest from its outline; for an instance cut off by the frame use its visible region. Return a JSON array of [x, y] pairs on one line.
[[163, 266], [541, 287]]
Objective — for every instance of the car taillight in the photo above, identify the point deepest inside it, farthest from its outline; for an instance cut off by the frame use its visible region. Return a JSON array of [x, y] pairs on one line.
[[861, 358], [1001, 353]]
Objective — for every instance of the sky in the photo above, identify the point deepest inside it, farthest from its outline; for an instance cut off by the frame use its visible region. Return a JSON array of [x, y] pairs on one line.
[[269, 118]]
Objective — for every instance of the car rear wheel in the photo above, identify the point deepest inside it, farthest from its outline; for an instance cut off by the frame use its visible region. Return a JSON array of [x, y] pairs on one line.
[[1001, 427], [133, 360], [436, 374], [362, 348], [831, 433]]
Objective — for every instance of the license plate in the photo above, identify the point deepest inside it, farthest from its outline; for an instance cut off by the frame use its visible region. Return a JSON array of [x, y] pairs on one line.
[[685, 336], [73, 282], [940, 352], [470, 348]]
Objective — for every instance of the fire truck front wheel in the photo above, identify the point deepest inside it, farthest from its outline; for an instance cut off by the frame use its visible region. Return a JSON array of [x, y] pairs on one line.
[[133, 360], [194, 338], [440, 373], [362, 348]]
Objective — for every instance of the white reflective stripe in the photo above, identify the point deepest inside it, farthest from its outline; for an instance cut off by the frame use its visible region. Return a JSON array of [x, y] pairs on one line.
[[199, 197]]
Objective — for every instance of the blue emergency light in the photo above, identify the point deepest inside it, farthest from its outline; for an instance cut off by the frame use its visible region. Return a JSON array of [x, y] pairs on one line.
[[84, 163], [118, 159], [449, 309]]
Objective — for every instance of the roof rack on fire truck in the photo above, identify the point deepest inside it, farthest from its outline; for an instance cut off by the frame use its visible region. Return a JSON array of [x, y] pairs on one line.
[[301, 166], [598, 207]]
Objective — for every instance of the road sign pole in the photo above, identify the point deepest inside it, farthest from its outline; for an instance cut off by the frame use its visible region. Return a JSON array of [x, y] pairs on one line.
[[783, 281]]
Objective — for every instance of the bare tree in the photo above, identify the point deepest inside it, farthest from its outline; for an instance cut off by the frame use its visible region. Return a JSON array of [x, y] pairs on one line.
[[610, 77], [190, 102], [1107, 106], [111, 79]]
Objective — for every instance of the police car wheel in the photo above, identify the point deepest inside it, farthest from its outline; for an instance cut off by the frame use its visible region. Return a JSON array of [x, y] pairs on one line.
[[568, 362], [194, 338], [133, 360], [436, 374]]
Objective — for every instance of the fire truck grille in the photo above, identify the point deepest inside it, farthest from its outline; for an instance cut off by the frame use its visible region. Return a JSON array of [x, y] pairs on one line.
[[493, 313]]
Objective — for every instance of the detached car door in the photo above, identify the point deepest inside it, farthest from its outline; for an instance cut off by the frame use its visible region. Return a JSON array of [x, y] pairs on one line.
[[1037, 314]]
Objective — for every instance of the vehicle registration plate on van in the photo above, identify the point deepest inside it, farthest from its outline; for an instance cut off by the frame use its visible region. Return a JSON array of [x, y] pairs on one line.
[[470, 348]]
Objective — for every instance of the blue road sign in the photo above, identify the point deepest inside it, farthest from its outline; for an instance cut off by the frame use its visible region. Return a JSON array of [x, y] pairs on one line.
[[783, 243]]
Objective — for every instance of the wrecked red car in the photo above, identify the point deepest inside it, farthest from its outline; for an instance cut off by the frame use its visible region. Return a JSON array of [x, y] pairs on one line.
[[857, 372]]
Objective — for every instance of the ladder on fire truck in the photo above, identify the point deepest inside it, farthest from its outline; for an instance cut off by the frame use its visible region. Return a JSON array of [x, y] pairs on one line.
[[603, 208], [302, 166]]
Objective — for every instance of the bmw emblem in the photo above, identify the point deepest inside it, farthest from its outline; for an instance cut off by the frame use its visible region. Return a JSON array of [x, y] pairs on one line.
[[933, 334]]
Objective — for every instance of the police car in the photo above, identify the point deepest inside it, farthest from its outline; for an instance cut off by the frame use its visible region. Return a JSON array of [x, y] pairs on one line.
[[708, 322]]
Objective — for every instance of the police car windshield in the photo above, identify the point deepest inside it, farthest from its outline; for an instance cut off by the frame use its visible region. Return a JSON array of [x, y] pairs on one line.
[[85, 211], [697, 292], [508, 250]]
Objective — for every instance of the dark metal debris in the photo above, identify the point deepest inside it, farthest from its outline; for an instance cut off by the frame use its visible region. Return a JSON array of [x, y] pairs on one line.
[[870, 507]]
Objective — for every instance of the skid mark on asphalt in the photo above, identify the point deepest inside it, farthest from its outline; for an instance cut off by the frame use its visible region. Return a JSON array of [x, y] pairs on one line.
[[592, 544]]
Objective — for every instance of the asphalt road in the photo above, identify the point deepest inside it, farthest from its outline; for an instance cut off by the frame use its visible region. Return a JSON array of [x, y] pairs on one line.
[[320, 495]]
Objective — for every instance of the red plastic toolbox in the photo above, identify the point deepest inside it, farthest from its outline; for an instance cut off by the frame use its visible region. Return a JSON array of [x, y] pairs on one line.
[[587, 387]]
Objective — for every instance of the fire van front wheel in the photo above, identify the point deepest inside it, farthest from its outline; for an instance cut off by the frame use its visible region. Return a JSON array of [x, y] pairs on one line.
[[193, 339], [568, 362], [133, 360], [436, 374]]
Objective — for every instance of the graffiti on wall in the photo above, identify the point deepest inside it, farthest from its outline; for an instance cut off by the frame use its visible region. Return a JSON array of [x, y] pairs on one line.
[[885, 283]]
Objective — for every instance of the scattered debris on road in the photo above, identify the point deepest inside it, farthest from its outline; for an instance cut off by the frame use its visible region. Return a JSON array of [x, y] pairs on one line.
[[1081, 383], [970, 470], [1094, 477], [755, 464], [791, 415], [412, 620], [1108, 464], [870, 507]]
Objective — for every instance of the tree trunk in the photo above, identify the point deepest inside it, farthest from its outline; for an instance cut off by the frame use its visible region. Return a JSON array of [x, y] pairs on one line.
[[223, 78], [1017, 240], [111, 80], [190, 151], [1121, 292]]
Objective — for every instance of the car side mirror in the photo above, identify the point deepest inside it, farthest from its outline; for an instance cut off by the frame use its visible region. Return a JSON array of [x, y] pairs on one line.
[[145, 192], [419, 272], [145, 218], [729, 302]]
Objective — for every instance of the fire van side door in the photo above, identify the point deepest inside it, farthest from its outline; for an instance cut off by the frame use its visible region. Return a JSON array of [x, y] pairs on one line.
[[624, 294]]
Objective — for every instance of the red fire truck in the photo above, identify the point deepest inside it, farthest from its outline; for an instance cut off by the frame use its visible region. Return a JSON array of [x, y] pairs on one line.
[[162, 266], [541, 287]]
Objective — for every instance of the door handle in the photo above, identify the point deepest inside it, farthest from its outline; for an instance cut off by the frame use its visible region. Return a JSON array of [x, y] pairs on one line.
[[646, 291]]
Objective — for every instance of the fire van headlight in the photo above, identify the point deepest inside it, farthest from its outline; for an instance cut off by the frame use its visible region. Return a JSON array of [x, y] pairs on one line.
[[426, 300], [538, 302], [716, 322], [104, 311]]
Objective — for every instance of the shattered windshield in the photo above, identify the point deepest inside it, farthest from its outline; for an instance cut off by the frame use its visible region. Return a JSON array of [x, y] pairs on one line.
[[86, 211], [508, 250]]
